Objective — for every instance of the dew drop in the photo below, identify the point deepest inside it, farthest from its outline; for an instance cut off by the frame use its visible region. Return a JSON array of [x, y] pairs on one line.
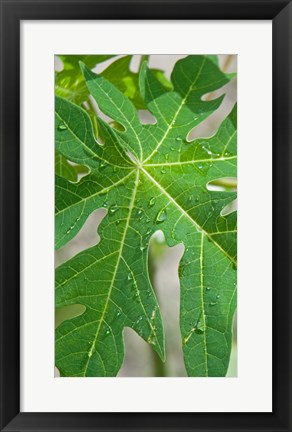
[[178, 138], [118, 312], [148, 231], [118, 222], [62, 127], [200, 327], [105, 204], [212, 303], [113, 209], [139, 319], [218, 296], [163, 170], [151, 340], [102, 165], [130, 277], [161, 216], [208, 288], [151, 202]]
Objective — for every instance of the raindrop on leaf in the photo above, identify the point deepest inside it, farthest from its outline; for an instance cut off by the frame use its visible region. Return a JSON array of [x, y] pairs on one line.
[[62, 127], [161, 216]]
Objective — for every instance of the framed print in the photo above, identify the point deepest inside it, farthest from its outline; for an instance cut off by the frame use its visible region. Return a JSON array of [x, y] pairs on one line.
[[135, 136]]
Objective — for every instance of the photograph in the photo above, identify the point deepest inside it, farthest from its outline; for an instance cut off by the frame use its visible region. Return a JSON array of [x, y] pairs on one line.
[[146, 215]]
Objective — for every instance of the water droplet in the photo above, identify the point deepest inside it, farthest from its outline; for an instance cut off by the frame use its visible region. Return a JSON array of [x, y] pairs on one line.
[[161, 216], [178, 138], [151, 202], [199, 327], [208, 288], [139, 319], [218, 296], [151, 340], [104, 192], [113, 209], [212, 303], [102, 165], [147, 219], [62, 127], [118, 312], [91, 352], [107, 331], [139, 212], [148, 231], [118, 222], [130, 276], [105, 204], [207, 150], [190, 198], [166, 156], [163, 170]]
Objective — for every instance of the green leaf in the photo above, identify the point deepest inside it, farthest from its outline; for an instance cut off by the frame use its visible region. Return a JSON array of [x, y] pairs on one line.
[[64, 169], [149, 178], [69, 83], [119, 74]]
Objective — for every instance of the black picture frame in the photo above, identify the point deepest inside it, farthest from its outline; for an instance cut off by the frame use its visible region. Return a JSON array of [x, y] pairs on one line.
[[12, 12]]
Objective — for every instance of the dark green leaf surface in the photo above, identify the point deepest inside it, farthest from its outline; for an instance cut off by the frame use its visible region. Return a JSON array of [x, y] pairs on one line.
[[149, 178]]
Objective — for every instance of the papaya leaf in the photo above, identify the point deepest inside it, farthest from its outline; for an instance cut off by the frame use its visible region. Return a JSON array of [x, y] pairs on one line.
[[69, 83], [64, 169], [149, 178]]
